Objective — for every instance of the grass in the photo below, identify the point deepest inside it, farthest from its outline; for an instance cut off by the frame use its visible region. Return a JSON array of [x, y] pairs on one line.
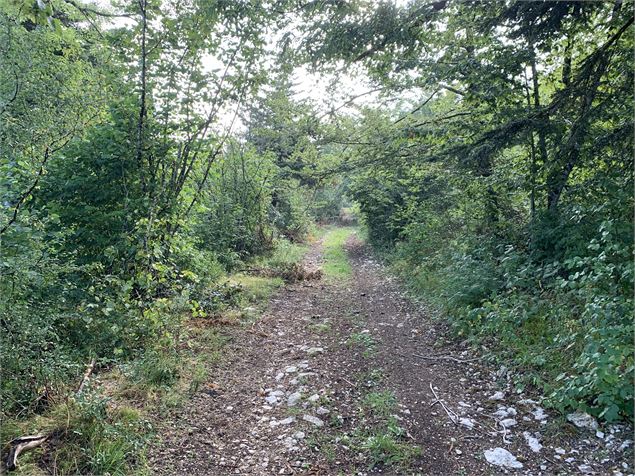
[[321, 327], [385, 449], [256, 290], [364, 340], [380, 404], [87, 437], [285, 253], [336, 266]]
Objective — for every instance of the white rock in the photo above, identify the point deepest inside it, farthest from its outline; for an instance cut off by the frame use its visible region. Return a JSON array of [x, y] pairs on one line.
[[498, 396], [315, 350], [280, 376], [287, 421], [527, 401], [560, 451], [585, 468], [314, 398], [539, 414], [276, 393], [532, 441], [502, 457], [299, 435], [583, 420], [271, 399], [291, 369], [315, 420], [294, 398], [625, 445], [468, 422], [508, 422], [599, 434], [501, 413], [322, 411]]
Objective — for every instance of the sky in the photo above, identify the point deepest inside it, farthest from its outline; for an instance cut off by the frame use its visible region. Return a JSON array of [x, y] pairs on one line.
[[307, 85]]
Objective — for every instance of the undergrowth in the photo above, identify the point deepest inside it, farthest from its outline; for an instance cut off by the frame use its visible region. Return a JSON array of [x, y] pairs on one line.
[[106, 429]]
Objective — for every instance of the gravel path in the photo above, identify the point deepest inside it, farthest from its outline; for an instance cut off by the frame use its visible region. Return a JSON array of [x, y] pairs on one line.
[[288, 397]]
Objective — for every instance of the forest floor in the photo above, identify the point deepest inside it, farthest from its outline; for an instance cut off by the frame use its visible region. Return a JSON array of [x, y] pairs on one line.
[[346, 375]]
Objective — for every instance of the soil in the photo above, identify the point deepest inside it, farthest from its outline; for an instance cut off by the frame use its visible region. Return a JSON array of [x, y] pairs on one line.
[[307, 357]]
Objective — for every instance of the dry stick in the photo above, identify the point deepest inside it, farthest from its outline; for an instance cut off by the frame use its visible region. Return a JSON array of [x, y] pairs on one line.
[[505, 440], [454, 418], [25, 443], [89, 370]]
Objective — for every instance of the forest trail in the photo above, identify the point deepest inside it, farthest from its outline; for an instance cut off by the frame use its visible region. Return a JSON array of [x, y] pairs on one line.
[[332, 380]]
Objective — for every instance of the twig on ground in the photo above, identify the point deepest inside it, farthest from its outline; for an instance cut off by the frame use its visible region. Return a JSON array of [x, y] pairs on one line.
[[505, 440], [21, 444], [25, 443], [451, 415]]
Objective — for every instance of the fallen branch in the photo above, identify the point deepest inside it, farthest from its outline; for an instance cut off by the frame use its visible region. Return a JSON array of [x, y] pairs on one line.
[[452, 416], [25, 443], [21, 444], [89, 370]]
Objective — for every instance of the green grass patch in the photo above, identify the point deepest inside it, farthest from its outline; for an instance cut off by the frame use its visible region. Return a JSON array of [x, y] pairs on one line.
[[257, 290], [321, 327], [384, 448], [284, 254], [336, 265], [86, 437], [380, 404], [364, 340]]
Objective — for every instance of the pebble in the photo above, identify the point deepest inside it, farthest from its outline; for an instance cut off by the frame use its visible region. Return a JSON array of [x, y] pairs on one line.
[[322, 411], [532, 442], [294, 398], [315, 420], [539, 414], [315, 350], [291, 369], [508, 422], [498, 396], [314, 398], [467, 422]]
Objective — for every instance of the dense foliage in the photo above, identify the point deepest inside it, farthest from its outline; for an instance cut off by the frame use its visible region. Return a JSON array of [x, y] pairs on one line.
[[126, 191], [505, 192]]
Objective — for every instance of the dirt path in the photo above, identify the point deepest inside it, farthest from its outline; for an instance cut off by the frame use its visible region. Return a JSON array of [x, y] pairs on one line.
[[331, 381]]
